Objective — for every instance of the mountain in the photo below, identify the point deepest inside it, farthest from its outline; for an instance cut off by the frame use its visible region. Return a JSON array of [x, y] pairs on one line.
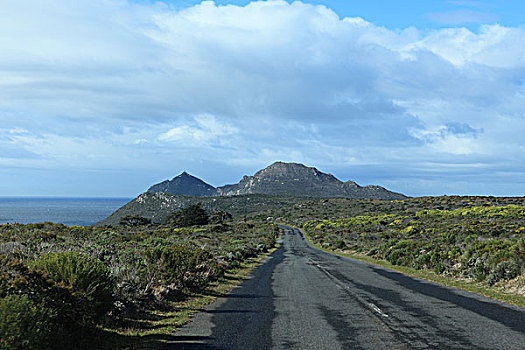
[[278, 179], [184, 184], [280, 185], [298, 180]]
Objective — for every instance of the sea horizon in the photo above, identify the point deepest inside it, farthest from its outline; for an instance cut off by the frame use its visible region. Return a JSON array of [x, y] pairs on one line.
[[82, 211]]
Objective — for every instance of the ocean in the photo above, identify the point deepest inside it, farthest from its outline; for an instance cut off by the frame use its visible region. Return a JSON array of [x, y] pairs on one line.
[[68, 211]]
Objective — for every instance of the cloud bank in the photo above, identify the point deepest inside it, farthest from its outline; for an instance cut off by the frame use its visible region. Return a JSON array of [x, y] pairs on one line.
[[115, 86]]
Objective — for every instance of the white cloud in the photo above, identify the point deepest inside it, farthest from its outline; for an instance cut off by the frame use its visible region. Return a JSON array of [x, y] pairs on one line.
[[206, 129], [111, 82], [17, 131], [455, 139], [495, 46]]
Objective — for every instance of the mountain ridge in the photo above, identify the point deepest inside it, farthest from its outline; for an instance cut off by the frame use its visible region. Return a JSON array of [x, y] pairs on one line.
[[281, 179], [278, 185]]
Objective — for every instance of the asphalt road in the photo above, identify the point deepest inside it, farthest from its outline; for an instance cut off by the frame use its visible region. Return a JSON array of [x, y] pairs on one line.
[[302, 298]]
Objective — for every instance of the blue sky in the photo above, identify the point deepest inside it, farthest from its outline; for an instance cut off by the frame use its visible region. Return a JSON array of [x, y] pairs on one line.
[[104, 98]]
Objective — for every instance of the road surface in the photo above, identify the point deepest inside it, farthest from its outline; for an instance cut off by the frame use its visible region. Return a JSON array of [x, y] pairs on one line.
[[302, 298]]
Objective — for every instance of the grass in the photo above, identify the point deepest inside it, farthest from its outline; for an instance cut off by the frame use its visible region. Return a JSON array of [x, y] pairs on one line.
[[152, 329], [464, 284]]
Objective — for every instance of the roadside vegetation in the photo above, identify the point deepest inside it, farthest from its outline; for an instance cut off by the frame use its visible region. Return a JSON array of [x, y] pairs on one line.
[[478, 243], [471, 242], [98, 287], [130, 285]]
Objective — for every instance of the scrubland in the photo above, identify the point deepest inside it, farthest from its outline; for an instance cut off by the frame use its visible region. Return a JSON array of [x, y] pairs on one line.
[[103, 287]]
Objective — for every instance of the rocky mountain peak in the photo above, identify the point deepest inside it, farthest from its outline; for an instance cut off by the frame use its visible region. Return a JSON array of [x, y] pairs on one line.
[[292, 171], [184, 184], [185, 176], [298, 180]]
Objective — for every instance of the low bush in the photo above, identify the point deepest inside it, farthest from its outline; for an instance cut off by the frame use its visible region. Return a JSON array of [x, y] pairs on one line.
[[89, 279], [505, 270], [401, 253], [188, 269], [484, 243], [24, 324], [339, 244], [28, 294]]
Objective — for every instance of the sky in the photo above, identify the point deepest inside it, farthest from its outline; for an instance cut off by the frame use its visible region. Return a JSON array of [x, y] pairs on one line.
[[102, 98]]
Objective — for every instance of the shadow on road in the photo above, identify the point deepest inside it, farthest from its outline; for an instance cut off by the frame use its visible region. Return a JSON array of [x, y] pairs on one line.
[[247, 310], [505, 315]]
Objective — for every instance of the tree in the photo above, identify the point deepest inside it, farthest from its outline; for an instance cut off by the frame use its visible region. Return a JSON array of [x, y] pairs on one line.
[[190, 216], [134, 220]]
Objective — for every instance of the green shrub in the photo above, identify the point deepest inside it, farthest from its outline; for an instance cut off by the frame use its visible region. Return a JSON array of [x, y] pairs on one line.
[[435, 256], [186, 268], [440, 268], [339, 244], [134, 220], [24, 324], [53, 306], [477, 268], [493, 247], [505, 270], [422, 261], [402, 252], [89, 279], [519, 250]]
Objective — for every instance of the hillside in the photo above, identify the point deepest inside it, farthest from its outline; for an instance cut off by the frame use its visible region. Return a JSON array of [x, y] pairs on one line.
[[155, 206]]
